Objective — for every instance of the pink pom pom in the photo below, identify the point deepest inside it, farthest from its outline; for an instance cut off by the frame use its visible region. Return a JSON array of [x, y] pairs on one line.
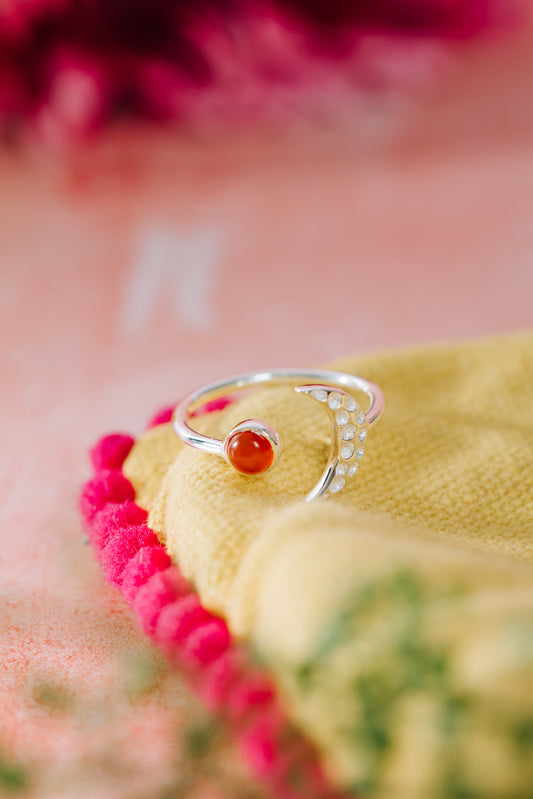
[[111, 519], [111, 451], [162, 416], [179, 619], [254, 691], [207, 642], [121, 548], [261, 744], [220, 678], [214, 405], [143, 565], [107, 486], [160, 590]]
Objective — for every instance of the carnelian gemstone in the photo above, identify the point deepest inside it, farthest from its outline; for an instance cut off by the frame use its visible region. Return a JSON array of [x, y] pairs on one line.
[[250, 452]]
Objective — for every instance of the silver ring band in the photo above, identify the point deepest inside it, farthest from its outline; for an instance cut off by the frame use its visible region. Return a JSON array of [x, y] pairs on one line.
[[255, 445]]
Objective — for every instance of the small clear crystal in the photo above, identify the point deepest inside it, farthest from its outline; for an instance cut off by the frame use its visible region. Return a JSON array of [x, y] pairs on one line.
[[360, 418], [341, 469], [349, 403], [334, 400], [348, 432], [347, 450], [336, 484], [353, 468], [342, 417], [361, 435], [359, 452], [319, 394]]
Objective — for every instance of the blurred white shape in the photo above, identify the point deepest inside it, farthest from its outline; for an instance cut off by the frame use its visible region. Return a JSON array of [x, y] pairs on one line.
[[177, 265]]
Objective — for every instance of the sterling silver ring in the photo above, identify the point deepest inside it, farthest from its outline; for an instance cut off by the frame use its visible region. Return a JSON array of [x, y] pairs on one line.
[[253, 447]]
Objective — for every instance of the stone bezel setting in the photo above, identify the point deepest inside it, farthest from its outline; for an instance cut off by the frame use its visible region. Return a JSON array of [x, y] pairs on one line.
[[259, 429]]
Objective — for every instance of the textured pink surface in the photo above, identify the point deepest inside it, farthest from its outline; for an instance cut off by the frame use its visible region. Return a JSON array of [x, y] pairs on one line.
[[149, 264]]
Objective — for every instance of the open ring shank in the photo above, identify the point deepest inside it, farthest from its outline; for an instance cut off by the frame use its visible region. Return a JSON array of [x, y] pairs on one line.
[[277, 377]]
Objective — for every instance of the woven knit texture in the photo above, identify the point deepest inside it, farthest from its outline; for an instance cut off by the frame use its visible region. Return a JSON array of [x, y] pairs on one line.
[[398, 616]]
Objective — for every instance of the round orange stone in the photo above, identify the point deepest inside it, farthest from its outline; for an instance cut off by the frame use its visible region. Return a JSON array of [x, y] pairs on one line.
[[250, 452]]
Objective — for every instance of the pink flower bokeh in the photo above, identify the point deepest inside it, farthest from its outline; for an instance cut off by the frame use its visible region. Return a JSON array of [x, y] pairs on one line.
[[68, 67]]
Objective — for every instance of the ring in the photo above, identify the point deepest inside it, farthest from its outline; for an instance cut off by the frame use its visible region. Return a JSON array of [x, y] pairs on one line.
[[253, 447]]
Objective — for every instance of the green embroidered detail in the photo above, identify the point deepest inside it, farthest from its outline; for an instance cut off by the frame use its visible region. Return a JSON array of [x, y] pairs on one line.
[[523, 733], [402, 665]]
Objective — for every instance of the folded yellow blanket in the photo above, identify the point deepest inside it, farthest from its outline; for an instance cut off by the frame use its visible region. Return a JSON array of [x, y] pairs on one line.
[[396, 617]]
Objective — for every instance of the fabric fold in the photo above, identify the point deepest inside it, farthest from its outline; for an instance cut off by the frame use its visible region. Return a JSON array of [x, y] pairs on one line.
[[398, 617]]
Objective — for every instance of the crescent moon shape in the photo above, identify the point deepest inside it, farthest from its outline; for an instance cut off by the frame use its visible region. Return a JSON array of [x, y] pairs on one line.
[[348, 435]]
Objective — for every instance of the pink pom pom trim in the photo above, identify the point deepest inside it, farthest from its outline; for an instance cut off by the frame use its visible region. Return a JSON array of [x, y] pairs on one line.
[[214, 405], [262, 742], [107, 486], [160, 590], [179, 619], [163, 416], [217, 667], [121, 548], [207, 642], [111, 519], [111, 451], [254, 690], [143, 565]]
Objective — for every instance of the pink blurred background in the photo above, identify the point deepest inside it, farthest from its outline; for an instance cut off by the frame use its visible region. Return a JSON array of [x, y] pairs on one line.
[[147, 260]]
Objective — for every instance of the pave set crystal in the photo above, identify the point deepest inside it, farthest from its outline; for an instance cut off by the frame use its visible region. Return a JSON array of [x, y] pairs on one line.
[[350, 422]]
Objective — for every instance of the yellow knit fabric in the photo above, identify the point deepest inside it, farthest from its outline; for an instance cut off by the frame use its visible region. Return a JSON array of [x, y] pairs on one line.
[[433, 537]]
